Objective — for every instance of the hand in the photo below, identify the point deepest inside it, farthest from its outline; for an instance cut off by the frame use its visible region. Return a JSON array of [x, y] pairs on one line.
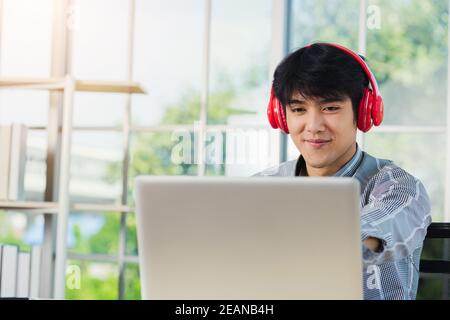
[[373, 244]]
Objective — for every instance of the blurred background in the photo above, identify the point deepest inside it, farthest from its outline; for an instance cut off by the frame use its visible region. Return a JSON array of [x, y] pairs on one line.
[[206, 68]]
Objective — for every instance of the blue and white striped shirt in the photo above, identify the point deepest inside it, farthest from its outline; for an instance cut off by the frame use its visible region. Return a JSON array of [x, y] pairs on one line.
[[395, 208]]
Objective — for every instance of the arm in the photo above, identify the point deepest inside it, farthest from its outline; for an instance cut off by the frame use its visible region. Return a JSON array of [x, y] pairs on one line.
[[395, 219], [373, 244]]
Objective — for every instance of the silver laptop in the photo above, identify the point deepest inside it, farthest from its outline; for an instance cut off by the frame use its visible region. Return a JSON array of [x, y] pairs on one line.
[[249, 238]]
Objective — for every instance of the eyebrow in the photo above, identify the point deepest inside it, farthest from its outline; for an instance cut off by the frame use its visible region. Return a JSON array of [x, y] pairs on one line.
[[324, 100], [300, 102]]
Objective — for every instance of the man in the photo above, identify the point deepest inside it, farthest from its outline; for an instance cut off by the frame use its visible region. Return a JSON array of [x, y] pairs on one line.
[[321, 96]]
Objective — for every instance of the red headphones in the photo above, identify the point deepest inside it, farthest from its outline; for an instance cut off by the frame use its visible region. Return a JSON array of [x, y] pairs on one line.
[[370, 106]]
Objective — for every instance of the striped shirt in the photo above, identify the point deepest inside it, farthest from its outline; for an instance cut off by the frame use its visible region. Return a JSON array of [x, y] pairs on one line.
[[395, 208]]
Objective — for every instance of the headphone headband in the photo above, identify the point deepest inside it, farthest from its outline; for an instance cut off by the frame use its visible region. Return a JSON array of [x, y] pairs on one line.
[[361, 62]]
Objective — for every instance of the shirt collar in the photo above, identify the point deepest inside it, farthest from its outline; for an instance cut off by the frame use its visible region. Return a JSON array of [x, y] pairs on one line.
[[348, 170]]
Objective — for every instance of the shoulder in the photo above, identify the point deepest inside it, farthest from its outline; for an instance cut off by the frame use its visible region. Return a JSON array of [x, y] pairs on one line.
[[392, 174], [284, 169], [378, 175], [392, 181]]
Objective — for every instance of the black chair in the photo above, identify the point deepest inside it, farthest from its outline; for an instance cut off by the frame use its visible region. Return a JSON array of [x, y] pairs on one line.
[[435, 260], [436, 230]]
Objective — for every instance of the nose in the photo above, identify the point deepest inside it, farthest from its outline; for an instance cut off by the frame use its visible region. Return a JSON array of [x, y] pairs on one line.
[[315, 122]]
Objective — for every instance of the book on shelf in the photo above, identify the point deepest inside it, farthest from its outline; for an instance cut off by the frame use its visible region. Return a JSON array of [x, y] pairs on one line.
[[13, 146], [35, 271], [23, 275], [8, 270], [19, 272], [5, 140]]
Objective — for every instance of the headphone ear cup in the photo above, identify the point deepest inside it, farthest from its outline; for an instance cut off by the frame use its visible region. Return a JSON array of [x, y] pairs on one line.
[[369, 121], [365, 110], [282, 118], [271, 110], [275, 113], [378, 111]]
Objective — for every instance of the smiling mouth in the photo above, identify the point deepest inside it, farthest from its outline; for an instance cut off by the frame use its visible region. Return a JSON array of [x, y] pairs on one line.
[[317, 143]]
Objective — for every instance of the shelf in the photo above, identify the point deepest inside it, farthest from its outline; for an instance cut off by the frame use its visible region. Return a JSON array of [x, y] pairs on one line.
[[100, 207], [80, 85], [52, 207], [100, 257], [32, 83], [108, 86], [46, 207], [57, 213]]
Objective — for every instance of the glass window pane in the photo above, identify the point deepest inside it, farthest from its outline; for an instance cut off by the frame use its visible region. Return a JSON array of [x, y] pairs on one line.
[[168, 57], [90, 233], [324, 20], [131, 243], [96, 167], [415, 154], [99, 281], [100, 45], [238, 152], [93, 109], [240, 59], [132, 282], [408, 55], [21, 229], [165, 153], [26, 39], [24, 106]]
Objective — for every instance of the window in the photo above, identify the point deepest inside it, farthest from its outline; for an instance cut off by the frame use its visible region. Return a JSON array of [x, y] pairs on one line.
[[324, 20], [167, 61], [100, 39], [408, 54], [26, 38], [166, 123], [239, 78]]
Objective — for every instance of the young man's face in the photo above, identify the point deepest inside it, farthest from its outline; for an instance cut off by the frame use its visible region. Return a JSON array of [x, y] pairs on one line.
[[323, 131]]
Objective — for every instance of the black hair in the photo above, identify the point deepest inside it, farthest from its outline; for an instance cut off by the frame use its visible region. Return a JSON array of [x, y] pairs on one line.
[[320, 71]]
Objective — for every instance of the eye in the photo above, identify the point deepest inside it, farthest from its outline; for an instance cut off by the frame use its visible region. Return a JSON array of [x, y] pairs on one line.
[[331, 108], [298, 110]]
